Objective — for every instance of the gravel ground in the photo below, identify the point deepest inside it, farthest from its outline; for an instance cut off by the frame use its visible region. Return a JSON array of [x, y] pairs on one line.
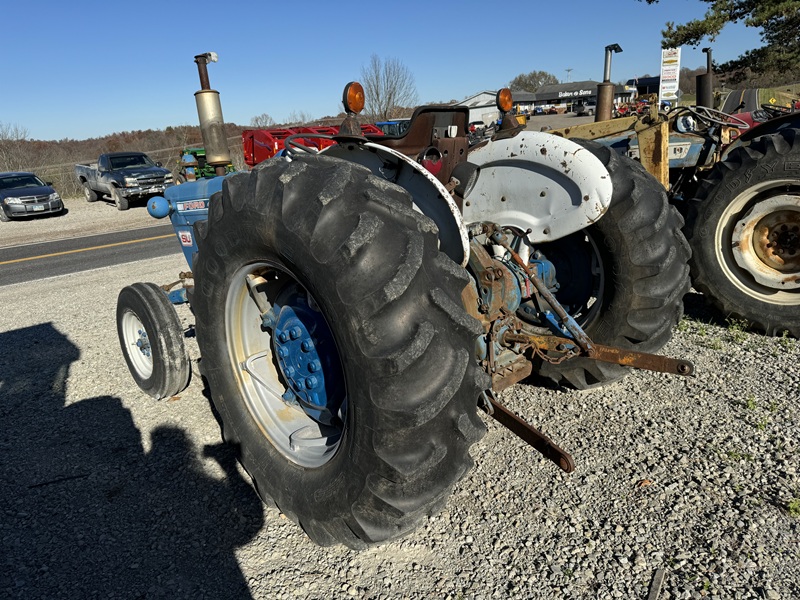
[[106, 493]]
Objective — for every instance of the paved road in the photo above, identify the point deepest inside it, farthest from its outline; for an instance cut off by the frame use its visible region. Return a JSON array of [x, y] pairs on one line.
[[46, 259], [736, 97]]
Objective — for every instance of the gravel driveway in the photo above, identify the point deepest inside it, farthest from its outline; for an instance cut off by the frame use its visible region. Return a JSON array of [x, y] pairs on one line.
[[108, 494]]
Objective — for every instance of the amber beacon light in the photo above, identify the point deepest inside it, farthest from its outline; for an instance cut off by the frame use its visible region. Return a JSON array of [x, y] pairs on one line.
[[353, 97]]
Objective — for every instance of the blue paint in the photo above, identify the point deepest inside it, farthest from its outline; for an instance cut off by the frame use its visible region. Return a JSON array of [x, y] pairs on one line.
[[185, 205], [307, 357]]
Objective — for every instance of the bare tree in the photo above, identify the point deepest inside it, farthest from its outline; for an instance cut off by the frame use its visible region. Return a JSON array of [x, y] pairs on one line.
[[13, 146], [298, 118], [531, 82], [688, 79], [388, 88], [262, 121]]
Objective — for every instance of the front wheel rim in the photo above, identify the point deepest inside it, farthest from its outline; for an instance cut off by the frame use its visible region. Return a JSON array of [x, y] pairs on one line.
[[138, 345], [258, 359]]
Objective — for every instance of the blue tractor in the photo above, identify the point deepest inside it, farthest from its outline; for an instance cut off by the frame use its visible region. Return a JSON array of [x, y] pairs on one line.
[[355, 308]]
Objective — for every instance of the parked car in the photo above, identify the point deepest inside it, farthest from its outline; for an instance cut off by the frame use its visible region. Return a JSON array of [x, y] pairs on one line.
[[25, 195], [476, 126], [587, 109]]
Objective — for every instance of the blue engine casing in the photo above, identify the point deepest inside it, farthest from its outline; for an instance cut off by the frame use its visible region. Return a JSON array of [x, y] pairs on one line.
[[185, 204]]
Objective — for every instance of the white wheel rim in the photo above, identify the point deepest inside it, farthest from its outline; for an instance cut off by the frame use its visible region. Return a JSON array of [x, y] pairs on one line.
[[742, 241], [137, 343], [288, 428]]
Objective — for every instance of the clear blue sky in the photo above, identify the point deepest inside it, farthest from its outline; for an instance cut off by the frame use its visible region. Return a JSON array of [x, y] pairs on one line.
[[85, 69]]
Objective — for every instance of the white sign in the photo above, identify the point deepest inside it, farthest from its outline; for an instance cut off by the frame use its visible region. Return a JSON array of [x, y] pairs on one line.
[[670, 71]]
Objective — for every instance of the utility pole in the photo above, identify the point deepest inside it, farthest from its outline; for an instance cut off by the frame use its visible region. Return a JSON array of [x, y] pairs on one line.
[[569, 75]]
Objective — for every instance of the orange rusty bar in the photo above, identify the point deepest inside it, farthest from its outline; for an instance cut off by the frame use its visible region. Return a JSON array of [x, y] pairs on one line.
[[610, 354]]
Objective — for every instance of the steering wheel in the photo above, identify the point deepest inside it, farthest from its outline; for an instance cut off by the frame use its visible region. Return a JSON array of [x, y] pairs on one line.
[[776, 110], [713, 116]]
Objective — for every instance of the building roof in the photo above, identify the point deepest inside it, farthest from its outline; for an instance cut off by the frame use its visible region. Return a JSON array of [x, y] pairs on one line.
[[523, 96], [484, 98]]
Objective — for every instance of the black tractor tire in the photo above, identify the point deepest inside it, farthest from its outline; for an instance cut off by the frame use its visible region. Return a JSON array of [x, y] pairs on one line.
[[746, 276], [405, 344], [120, 201], [89, 193], [642, 259], [159, 362]]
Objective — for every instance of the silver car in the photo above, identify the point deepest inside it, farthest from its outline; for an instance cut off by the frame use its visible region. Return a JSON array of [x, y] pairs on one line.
[[25, 195]]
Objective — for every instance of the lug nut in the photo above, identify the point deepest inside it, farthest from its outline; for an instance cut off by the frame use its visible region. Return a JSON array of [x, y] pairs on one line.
[[283, 336], [314, 366], [311, 382], [295, 332], [307, 345]]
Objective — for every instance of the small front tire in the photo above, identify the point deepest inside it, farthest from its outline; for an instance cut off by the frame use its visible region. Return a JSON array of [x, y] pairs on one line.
[[151, 338]]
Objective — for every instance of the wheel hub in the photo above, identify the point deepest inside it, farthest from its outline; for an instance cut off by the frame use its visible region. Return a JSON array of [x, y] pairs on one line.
[[766, 242], [143, 343], [308, 360]]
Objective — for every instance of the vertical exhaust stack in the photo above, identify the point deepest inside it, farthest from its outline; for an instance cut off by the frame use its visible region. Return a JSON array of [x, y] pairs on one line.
[[705, 83], [605, 90], [209, 111]]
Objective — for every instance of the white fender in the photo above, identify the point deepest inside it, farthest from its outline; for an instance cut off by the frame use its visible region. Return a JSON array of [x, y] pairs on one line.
[[539, 182], [430, 197]]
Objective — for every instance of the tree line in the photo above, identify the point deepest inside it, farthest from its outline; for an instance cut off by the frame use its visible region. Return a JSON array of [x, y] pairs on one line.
[[54, 160]]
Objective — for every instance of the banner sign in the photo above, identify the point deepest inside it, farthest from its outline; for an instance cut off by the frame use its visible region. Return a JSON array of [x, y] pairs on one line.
[[670, 70]]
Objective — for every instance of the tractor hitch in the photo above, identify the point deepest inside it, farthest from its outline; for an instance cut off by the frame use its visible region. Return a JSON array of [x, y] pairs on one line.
[[619, 356], [526, 432]]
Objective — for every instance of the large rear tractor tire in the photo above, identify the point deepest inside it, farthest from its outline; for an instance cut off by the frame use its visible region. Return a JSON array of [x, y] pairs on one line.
[[624, 277], [151, 338], [338, 355], [744, 229]]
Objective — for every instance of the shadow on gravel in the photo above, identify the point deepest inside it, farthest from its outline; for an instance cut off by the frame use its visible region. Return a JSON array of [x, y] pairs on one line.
[[87, 513], [695, 306]]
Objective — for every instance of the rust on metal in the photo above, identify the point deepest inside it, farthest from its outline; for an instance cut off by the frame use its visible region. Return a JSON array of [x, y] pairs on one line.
[[202, 70], [498, 237], [530, 435], [600, 129], [506, 376], [610, 354], [777, 240], [653, 151]]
